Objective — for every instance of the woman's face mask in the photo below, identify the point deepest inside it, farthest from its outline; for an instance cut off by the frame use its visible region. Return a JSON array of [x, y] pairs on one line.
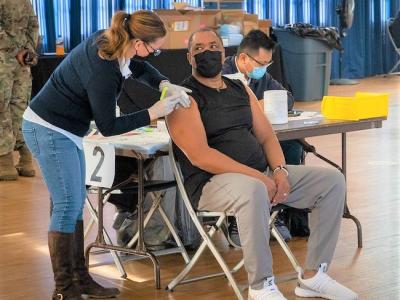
[[208, 63]]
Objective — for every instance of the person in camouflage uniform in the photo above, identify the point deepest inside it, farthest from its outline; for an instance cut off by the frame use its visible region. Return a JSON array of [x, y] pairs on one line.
[[19, 30]]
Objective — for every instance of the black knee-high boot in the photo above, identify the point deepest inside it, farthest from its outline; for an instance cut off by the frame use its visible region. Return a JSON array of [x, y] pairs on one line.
[[83, 281], [60, 247]]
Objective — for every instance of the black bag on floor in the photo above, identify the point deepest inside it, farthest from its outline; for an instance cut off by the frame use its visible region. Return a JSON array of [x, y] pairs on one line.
[[297, 221]]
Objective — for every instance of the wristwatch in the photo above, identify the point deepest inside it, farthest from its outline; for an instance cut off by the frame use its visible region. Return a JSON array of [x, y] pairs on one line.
[[279, 169]]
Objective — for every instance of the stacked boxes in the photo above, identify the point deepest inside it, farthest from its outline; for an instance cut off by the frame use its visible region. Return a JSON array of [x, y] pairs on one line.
[[181, 23], [246, 21], [264, 26]]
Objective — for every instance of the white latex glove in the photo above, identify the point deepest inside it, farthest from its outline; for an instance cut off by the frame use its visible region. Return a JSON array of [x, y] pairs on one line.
[[176, 89], [164, 107]]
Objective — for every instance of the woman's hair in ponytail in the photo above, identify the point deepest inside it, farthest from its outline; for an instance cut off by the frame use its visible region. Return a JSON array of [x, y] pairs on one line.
[[143, 25]]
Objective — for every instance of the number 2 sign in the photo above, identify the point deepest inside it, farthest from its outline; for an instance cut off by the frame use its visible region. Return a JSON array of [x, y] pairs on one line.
[[100, 164]]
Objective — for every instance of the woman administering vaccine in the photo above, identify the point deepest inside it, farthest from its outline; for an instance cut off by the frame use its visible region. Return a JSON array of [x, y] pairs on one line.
[[84, 88]]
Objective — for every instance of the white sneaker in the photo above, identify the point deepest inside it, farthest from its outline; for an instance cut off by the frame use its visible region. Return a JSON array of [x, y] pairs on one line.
[[321, 285], [268, 292]]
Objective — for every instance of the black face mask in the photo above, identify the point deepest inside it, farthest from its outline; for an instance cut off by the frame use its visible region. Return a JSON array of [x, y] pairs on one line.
[[209, 63], [140, 58]]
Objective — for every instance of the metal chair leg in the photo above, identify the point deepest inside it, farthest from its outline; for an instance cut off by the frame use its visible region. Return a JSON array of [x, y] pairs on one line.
[[157, 206], [207, 242], [153, 208], [174, 234], [91, 221], [179, 278], [394, 68], [282, 243]]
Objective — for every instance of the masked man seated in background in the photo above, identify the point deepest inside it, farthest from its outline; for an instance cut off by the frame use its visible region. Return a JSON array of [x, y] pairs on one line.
[[231, 161]]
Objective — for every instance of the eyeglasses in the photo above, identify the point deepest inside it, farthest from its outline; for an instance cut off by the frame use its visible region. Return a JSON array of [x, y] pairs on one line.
[[156, 52], [261, 64]]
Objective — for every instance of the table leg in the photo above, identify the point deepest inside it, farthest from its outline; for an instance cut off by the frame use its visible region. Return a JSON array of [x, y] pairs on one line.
[[114, 254], [140, 245], [346, 212], [141, 248]]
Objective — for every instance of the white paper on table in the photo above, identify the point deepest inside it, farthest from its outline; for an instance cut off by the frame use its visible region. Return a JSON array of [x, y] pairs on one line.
[[306, 115], [145, 140]]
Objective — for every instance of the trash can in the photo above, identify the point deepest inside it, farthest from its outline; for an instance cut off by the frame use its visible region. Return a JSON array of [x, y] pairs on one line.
[[307, 64]]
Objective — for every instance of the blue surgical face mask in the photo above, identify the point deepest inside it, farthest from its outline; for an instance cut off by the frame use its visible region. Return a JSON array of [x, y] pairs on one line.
[[257, 72]]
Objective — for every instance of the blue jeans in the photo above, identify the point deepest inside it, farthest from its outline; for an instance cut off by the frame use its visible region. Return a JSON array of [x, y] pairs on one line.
[[62, 165]]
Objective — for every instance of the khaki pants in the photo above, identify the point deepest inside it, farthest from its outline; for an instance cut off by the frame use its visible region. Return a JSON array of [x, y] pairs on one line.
[[15, 92], [320, 189]]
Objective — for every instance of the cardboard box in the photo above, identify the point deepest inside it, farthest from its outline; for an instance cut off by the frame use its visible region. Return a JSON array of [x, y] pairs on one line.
[[265, 25], [250, 22], [181, 23], [246, 21]]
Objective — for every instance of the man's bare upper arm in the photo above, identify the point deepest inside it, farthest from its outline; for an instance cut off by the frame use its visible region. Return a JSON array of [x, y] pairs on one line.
[[261, 126], [187, 130]]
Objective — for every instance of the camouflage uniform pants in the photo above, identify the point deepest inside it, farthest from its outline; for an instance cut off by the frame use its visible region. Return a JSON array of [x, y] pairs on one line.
[[15, 91]]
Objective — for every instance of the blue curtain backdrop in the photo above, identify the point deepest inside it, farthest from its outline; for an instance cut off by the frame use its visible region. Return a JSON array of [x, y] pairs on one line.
[[367, 47]]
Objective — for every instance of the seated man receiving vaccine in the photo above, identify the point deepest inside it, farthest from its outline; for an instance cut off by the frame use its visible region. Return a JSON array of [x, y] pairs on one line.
[[231, 161]]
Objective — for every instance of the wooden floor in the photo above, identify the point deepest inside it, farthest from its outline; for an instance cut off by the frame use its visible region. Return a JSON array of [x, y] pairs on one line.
[[373, 195]]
